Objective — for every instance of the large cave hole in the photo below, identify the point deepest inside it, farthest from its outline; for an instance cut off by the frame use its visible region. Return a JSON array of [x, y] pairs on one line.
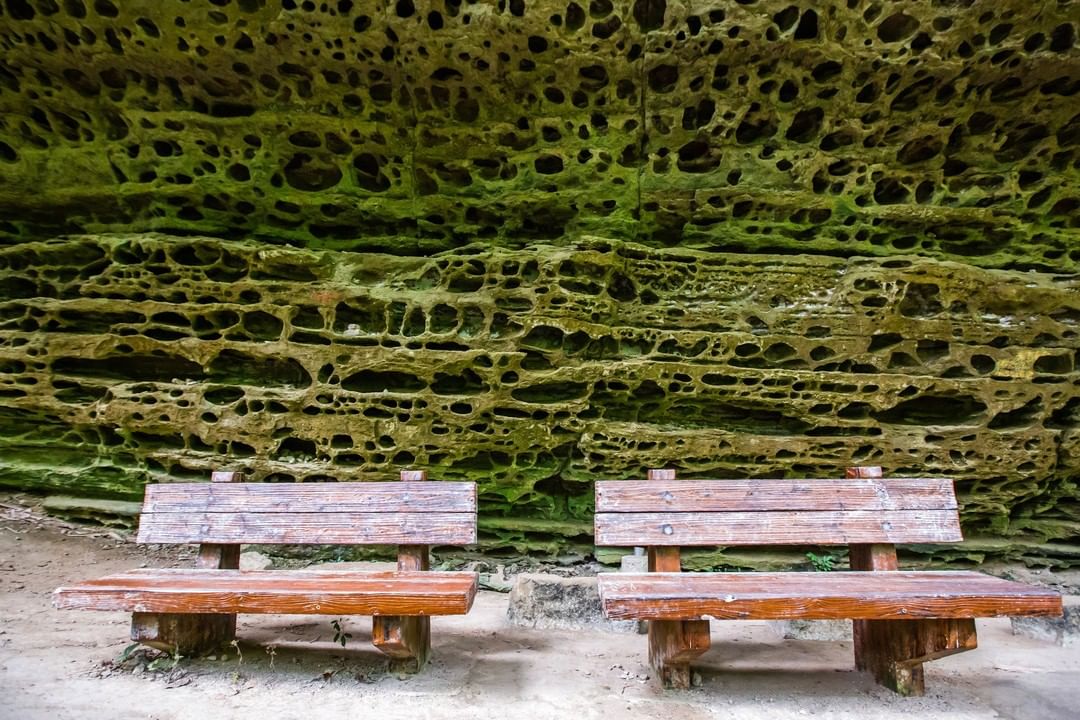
[[934, 410], [374, 381]]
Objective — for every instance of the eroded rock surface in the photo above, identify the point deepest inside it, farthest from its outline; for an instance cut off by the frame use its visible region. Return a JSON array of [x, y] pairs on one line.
[[127, 359], [536, 242], [947, 129]]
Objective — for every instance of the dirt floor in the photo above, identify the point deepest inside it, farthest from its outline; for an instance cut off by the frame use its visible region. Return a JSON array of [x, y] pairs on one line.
[[61, 665]]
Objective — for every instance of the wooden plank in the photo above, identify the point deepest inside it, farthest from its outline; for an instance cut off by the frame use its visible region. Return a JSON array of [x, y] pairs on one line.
[[673, 644], [629, 496], [819, 596], [407, 640], [269, 577], [777, 528], [329, 528], [373, 497], [275, 591], [188, 634], [880, 557], [900, 647], [664, 559]]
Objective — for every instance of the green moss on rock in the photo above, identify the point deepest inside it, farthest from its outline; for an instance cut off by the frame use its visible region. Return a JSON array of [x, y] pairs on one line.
[[534, 243], [947, 130], [134, 358]]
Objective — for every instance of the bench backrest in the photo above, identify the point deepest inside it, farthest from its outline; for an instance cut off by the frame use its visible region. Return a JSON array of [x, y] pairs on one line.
[[411, 512], [664, 511]]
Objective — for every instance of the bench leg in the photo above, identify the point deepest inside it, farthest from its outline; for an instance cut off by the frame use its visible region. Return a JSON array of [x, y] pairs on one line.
[[406, 639], [895, 650], [188, 634], [672, 645]]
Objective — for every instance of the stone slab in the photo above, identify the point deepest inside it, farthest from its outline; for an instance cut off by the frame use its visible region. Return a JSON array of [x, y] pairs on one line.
[[1063, 631], [544, 601], [113, 513], [824, 630]]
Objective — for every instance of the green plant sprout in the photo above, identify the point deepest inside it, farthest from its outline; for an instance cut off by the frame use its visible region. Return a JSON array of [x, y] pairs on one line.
[[822, 563]]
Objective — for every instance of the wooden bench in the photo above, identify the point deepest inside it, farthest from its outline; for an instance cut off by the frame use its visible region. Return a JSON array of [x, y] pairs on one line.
[[901, 619], [193, 611]]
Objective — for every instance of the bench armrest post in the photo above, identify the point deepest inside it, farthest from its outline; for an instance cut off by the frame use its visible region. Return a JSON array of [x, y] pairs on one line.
[[673, 643], [213, 555], [413, 558], [894, 650], [406, 639], [193, 633]]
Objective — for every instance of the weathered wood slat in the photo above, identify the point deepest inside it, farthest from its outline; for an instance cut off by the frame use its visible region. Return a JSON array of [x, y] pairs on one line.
[[628, 496], [273, 591], [871, 653], [407, 640], [784, 583], [798, 527], [673, 644], [329, 528], [900, 647], [260, 579], [372, 497], [819, 596], [185, 633], [189, 634]]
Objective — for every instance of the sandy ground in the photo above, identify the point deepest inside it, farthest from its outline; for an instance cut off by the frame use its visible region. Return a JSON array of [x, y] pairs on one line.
[[61, 665]]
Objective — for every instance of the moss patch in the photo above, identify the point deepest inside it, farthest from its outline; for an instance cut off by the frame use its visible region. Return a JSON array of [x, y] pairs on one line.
[[126, 359]]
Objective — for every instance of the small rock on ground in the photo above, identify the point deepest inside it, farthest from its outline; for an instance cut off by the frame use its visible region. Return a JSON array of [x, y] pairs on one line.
[[552, 602], [1064, 630]]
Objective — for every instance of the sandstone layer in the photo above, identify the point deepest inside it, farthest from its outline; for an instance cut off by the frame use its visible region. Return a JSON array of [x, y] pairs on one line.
[[129, 359], [537, 242]]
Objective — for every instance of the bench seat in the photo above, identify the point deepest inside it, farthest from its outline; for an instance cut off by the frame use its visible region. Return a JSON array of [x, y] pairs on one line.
[[856, 595], [193, 612], [275, 591], [900, 619]]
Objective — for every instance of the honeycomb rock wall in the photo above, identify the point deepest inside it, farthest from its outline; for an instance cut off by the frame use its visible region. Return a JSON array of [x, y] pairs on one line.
[[946, 128], [145, 358], [536, 242]]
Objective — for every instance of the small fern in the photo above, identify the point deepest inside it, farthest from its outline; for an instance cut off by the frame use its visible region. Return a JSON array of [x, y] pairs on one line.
[[822, 563]]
